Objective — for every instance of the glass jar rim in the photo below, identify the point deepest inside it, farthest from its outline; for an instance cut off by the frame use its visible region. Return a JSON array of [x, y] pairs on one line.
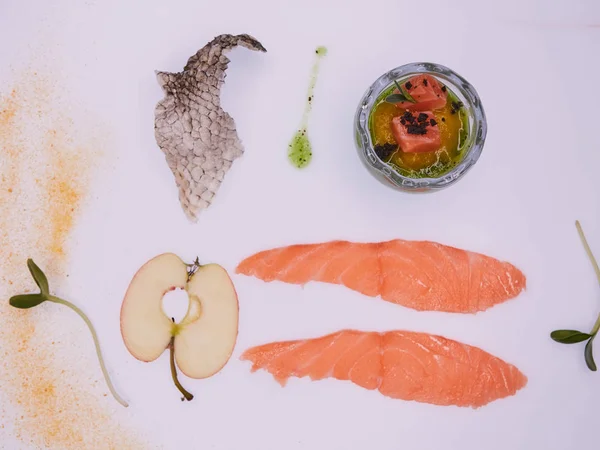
[[457, 83]]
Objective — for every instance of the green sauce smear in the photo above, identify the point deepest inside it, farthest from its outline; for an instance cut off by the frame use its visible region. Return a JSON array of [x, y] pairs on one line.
[[300, 148]]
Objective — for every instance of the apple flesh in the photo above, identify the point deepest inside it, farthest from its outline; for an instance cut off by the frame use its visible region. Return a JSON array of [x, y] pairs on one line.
[[207, 334], [145, 328], [202, 343]]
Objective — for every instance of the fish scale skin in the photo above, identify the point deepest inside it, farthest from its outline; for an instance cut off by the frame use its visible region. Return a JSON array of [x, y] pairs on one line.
[[199, 139]]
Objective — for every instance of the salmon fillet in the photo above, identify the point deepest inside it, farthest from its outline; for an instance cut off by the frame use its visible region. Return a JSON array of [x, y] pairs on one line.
[[421, 275], [399, 364]]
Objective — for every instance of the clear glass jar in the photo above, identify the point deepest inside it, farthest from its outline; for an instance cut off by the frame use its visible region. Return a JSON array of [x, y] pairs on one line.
[[472, 148]]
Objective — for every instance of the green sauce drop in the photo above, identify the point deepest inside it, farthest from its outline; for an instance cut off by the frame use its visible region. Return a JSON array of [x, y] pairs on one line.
[[321, 51], [300, 152], [300, 148]]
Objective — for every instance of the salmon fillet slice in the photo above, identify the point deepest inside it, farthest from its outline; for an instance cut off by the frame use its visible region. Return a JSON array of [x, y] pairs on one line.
[[421, 275], [399, 364]]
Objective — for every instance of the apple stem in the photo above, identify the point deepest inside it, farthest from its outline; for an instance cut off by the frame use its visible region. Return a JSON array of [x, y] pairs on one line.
[[81, 314], [185, 393], [192, 268]]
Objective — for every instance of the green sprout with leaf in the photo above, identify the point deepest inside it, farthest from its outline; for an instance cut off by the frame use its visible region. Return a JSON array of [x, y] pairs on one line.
[[575, 336], [400, 96], [26, 301]]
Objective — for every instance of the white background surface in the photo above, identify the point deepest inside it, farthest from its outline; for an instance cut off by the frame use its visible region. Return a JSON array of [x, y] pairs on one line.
[[535, 65]]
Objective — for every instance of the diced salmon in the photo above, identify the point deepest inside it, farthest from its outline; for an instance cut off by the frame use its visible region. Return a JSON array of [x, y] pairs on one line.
[[407, 132], [421, 275], [426, 91], [399, 364]]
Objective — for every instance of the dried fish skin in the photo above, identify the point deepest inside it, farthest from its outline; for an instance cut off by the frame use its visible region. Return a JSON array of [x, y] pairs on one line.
[[199, 139]]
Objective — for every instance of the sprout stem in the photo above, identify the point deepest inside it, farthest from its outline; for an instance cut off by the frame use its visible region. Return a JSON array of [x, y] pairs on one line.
[[81, 314], [588, 250]]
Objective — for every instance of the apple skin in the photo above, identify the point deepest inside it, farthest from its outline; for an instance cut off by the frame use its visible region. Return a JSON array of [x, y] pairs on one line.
[[204, 340]]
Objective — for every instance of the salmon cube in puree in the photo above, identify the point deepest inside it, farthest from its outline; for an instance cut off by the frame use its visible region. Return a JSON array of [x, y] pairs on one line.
[[427, 92], [416, 132]]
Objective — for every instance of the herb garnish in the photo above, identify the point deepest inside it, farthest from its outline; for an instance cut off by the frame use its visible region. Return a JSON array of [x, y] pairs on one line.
[[400, 96], [574, 336], [25, 301]]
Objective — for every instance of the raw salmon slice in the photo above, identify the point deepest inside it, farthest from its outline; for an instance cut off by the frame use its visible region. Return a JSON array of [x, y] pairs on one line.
[[399, 364], [421, 275]]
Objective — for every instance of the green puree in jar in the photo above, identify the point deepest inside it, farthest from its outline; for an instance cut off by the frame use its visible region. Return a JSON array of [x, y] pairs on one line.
[[452, 121], [300, 148]]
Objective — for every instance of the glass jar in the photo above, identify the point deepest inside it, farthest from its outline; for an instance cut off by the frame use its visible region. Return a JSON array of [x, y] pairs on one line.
[[471, 149]]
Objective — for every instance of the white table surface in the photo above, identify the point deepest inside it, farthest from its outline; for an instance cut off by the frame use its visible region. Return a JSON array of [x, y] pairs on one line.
[[536, 67]]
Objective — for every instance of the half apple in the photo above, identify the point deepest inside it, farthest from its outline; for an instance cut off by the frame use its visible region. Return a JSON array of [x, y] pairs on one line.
[[202, 343]]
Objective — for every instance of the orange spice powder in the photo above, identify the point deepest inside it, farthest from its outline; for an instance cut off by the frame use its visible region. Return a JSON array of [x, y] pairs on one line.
[[43, 185]]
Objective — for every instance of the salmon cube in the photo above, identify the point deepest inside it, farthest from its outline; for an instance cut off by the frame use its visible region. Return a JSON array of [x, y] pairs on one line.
[[426, 91], [416, 132]]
